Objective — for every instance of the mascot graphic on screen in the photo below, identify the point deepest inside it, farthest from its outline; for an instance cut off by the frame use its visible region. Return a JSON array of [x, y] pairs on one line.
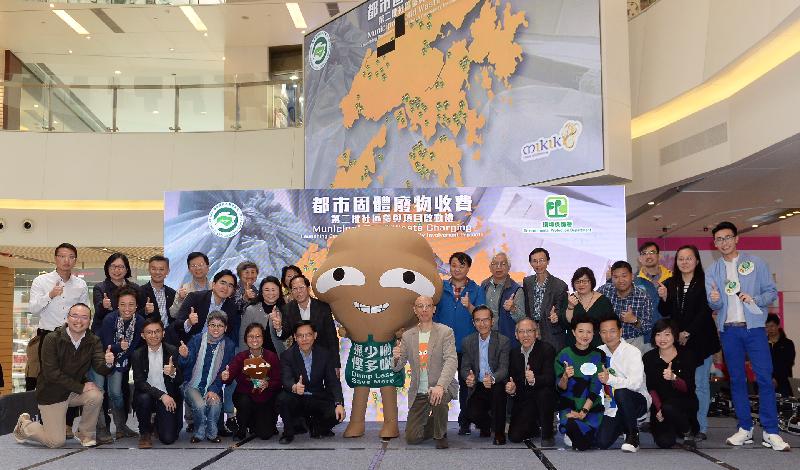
[[371, 277]]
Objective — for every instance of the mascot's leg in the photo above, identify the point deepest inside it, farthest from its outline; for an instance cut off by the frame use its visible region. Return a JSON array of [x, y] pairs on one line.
[[389, 399], [358, 411]]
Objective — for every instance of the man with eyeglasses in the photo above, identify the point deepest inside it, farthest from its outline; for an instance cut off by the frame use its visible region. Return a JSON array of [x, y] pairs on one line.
[[484, 368], [544, 300], [51, 296], [740, 288], [198, 265], [500, 291], [531, 381], [203, 360], [157, 380], [311, 389], [67, 354]]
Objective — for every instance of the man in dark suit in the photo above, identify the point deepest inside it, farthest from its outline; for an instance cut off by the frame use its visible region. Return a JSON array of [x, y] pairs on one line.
[[311, 389], [484, 368], [305, 308], [532, 384], [156, 297], [191, 318], [544, 300], [157, 392]]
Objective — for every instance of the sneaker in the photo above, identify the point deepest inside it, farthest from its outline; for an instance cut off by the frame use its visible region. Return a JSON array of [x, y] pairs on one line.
[[567, 441], [19, 435], [772, 440], [463, 430], [741, 438], [631, 443], [86, 441]]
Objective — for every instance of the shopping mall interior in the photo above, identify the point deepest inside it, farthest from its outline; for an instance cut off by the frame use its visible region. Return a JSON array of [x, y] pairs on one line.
[[119, 116]]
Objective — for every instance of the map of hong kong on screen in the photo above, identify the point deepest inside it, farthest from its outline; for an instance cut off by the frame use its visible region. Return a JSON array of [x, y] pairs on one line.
[[449, 93]]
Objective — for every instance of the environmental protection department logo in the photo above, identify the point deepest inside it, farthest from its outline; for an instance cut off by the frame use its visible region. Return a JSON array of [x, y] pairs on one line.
[[320, 50], [556, 207], [225, 219]]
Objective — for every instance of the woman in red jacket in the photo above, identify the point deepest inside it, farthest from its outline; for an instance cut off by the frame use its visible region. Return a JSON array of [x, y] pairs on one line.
[[257, 372]]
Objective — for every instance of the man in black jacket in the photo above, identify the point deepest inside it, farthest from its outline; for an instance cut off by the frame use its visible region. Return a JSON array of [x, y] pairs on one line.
[[532, 384], [311, 389], [157, 297], [191, 318], [156, 381], [67, 354], [306, 308]]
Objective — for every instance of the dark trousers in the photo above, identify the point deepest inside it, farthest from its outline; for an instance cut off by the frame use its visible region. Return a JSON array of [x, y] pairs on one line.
[[487, 407], [463, 393], [260, 418], [580, 441], [319, 412], [168, 424], [677, 422], [630, 406], [532, 412]]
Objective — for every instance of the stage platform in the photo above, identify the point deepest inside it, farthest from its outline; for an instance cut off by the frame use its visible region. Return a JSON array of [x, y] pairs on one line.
[[369, 452]]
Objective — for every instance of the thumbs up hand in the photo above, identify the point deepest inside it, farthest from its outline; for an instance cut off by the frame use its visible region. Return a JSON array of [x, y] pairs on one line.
[[553, 315], [123, 344], [397, 351], [109, 357], [465, 300], [569, 371], [193, 319], [714, 295], [487, 380], [249, 294], [277, 321], [603, 375], [57, 290], [149, 307], [169, 369], [299, 388], [106, 302], [226, 374], [511, 387], [627, 316], [183, 292], [470, 380], [509, 303], [662, 291], [183, 350], [668, 374], [529, 376]]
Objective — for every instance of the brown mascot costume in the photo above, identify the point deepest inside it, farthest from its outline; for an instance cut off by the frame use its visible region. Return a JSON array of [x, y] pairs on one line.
[[370, 278]]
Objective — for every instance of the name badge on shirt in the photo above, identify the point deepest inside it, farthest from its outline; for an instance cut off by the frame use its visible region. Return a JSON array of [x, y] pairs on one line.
[[588, 368], [731, 287], [746, 267]]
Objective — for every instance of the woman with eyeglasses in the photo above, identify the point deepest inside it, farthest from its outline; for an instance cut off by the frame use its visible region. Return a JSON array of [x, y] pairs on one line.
[[683, 299], [669, 369], [117, 269], [586, 302], [257, 372]]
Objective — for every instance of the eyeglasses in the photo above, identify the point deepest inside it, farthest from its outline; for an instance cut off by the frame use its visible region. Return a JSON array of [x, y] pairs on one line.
[[721, 240], [225, 283], [152, 332], [423, 307], [117, 267], [304, 335], [582, 281], [195, 266], [539, 261], [648, 252], [526, 332], [501, 264], [79, 317], [216, 325]]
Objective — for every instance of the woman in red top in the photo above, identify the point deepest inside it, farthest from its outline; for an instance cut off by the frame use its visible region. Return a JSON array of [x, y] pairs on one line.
[[257, 372]]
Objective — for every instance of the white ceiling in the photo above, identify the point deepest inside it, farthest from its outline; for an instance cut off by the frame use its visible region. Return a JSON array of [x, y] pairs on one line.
[[35, 34], [741, 193]]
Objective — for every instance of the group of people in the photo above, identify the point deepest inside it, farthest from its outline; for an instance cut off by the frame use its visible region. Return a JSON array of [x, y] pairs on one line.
[[603, 357]]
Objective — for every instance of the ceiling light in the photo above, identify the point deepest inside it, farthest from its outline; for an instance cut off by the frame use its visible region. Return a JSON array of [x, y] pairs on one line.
[[293, 77], [117, 72], [88, 37], [223, 57], [781, 216], [36, 106], [155, 111], [205, 34], [52, 5], [795, 212], [303, 31], [66, 18], [790, 214], [297, 15], [191, 15], [203, 112], [651, 203], [755, 225], [172, 49], [69, 51]]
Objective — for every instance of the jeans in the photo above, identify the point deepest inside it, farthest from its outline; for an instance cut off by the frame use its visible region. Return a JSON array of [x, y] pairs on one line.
[[703, 392], [114, 383], [204, 413], [227, 405], [736, 343]]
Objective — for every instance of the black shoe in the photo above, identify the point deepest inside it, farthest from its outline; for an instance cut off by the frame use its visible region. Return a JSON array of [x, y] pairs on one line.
[[315, 434], [327, 433], [232, 425], [222, 431], [215, 440], [700, 436], [463, 430], [631, 443], [548, 442], [195, 440], [689, 442], [190, 428], [285, 439]]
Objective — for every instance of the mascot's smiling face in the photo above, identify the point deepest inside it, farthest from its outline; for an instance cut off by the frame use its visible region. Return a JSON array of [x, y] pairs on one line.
[[372, 276]]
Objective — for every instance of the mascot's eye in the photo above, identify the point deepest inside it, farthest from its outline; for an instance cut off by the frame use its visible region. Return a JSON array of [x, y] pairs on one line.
[[341, 276], [408, 279]]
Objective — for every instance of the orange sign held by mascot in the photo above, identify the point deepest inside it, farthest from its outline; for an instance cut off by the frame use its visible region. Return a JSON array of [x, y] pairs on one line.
[[370, 278]]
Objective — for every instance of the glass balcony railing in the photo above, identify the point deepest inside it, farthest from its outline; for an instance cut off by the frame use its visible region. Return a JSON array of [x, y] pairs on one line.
[[171, 104]]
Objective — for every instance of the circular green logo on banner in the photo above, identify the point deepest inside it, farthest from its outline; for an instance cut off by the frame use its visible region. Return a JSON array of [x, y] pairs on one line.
[[225, 219], [319, 50]]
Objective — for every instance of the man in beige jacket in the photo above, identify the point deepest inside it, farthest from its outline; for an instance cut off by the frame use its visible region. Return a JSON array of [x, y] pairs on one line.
[[430, 349]]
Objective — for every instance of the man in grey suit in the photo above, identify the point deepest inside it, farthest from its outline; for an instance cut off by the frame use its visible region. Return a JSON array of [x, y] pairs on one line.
[[544, 300], [484, 368], [430, 349]]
